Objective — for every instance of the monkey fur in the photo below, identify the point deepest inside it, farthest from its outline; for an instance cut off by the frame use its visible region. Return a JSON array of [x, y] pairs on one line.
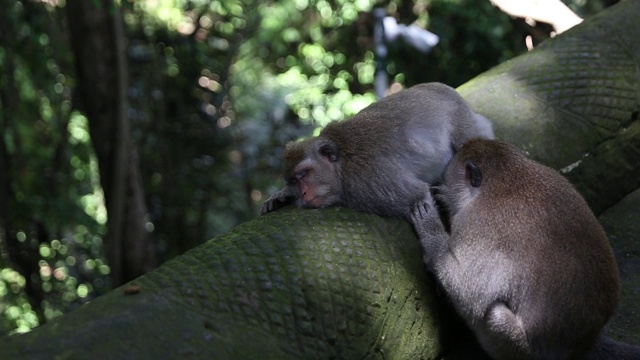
[[383, 158], [526, 263]]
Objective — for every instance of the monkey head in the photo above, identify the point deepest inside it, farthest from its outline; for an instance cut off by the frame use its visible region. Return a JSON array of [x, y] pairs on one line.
[[466, 177], [312, 172]]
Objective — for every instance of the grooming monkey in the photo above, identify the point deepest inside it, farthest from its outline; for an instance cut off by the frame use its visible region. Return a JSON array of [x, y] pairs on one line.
[[526, 263], [382, 159]]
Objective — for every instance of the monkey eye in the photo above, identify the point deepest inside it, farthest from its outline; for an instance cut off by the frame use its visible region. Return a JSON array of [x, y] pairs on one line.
[[297, 176], [301, 174]]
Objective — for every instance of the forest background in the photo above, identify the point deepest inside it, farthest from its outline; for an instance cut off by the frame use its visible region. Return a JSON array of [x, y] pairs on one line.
[[133, 131]]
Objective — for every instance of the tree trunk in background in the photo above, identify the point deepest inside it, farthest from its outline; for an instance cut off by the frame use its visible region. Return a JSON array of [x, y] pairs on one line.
[[22, 255], [97, 39]]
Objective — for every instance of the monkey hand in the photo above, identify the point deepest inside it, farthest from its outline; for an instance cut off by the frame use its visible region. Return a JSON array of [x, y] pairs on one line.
[[429, 228], [276, 201], [424, 216]]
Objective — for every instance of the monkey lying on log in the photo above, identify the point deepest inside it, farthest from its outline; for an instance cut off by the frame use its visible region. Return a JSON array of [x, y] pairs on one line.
[[526, 263], [383, 158]]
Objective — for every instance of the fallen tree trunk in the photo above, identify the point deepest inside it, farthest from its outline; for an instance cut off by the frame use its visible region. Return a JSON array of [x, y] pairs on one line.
[[292, 284]]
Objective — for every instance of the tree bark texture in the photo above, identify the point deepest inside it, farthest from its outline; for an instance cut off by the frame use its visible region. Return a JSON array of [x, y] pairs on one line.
[[98, 45], [315, 284]]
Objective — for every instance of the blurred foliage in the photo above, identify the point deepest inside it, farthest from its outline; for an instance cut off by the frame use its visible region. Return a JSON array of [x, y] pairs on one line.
[[216, 89], [55, 208]]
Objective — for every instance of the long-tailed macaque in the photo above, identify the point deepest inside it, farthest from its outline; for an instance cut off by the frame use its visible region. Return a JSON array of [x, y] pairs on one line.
[[526, 263], [381, 159]]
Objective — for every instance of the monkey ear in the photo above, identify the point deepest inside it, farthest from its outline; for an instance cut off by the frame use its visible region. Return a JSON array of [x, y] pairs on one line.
[[329, 150], [473, 174]]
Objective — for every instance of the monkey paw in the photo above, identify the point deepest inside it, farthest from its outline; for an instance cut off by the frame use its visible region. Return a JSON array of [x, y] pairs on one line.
[[269, 206], [275, 202], [429, 228], [422, 208], [425, 217]]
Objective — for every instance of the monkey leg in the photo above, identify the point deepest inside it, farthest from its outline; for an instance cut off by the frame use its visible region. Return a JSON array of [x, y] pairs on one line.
[[502, 333]]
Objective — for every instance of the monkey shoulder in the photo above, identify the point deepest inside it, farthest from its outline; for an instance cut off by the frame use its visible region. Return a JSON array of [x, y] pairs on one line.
[[434, 89]]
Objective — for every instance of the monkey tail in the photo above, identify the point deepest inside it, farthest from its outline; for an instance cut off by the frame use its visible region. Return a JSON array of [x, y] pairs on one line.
[[609, 349]]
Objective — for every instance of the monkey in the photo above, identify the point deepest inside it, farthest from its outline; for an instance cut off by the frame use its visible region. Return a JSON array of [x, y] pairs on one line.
[[380, 159], [525, 262]]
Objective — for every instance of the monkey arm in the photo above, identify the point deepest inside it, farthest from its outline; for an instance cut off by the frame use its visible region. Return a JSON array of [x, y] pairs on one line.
[[431, 232], [298, 284], [278, 200], [441, 260]]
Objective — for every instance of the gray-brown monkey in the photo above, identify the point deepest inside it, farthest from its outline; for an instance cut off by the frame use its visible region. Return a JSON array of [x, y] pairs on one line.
[[381, 159], [526, 263]]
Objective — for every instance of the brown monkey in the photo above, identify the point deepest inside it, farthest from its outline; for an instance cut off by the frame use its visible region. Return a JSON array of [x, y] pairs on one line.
[[526, 263], [381, 159]]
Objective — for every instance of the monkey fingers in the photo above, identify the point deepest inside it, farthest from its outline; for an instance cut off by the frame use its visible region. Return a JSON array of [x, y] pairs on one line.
[[276, 201], [267, 206], [430, 230], [425, 218]]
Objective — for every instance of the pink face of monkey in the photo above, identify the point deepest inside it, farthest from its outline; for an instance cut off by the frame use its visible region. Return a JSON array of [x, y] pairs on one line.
[[311, 173]]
